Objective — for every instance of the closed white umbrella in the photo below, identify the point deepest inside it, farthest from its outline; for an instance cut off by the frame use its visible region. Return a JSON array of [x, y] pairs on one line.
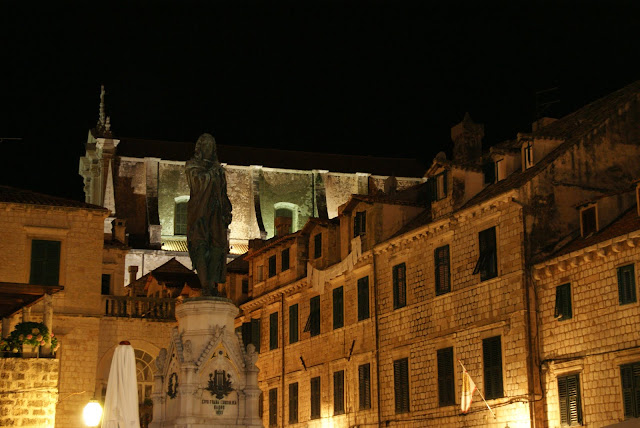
[[121, 401]]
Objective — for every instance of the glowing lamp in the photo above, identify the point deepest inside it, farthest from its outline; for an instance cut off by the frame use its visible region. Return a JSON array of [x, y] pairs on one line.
[[92, 413]]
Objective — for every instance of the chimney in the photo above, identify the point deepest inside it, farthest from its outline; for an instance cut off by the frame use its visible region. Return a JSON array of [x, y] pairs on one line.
[[467, 140], [120, 231], [133, 273]]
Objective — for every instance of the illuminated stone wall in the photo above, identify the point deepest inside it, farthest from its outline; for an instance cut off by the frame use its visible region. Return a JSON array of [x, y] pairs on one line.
[[29, 391]]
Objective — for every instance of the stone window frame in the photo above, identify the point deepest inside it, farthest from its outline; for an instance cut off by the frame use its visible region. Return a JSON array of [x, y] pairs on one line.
[[584, 210], [46, 233], [438, 188], [295, 216], [501, 169]]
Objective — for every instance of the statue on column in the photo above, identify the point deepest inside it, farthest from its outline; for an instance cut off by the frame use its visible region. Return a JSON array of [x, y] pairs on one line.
[[208, 215]]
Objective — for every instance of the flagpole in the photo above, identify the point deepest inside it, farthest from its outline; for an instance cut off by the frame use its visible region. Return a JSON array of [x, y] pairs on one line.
[[481, 396]]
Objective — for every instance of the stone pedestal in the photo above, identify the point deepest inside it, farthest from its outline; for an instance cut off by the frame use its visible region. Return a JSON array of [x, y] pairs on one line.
[[205, 377]]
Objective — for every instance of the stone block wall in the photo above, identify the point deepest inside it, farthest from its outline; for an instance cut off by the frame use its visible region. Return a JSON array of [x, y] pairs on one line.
[[28, 392], [601, 334]]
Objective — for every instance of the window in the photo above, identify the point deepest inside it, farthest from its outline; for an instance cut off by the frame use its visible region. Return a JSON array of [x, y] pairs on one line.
[[338, 392], [588, 220], [180, 219], [315, 397], [272, 266], [631, 389], [45, 262], [446, 380], [501, 171], [399, 286], [401, 385], [338, 308], [438, 186], [492, 354], [442, 274], [489, 172], [364, 386], [245, 286], [106, 284], [260, 273], [563, 302], [569, 399], [363, 298], [313, 322], [284, 260], [273, 331], [317, 246], [527, 155], [487, 264], [273, 407], [251, 333], [293, 323], [283, 221], [626, 284], [293, 403], [360, 223]]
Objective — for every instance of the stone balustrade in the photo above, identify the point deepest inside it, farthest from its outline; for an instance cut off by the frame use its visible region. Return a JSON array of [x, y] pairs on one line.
[[158, 309]]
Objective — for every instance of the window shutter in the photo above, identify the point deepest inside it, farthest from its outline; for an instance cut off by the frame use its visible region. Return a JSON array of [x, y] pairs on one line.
[[363, 298], [255, 333], [492, 354], [293, 323], [273, 407], [563, 302], [401, 384], [399, 286], [446, 388], [626, 284], [338, 308], [364, 386], [273, 331], [313, 322], [293, 403], [628, 391], [569, 400], [315, 398], [45, 262], [338, 392], [442, 270]]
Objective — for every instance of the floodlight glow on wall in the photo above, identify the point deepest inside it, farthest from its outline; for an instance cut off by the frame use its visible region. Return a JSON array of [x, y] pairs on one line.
[[92, 413]]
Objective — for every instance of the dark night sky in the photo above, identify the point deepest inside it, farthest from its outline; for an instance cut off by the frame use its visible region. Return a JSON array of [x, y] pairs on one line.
[[360, 77]]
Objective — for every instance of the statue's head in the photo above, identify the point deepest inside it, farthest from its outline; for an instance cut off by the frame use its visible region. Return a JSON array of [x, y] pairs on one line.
[[206, 148]]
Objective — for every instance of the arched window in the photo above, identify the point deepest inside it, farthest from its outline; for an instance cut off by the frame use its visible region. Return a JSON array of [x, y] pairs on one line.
[[144, 374], [285, 219], [180, 219]]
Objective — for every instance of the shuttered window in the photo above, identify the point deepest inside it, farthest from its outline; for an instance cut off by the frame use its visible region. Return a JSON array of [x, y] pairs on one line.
[[631, 389], [273, 331], [487, 264], [363, 298], [180, 219], [251, 333], [399, 286], [315, 397], [338, 392], [437, 186], [338, 307], [317, 246], [442, 270], [626, 284], [446, 385], [273, 407], [492, 354], [293, 323], [401, 385], [364, 386], [272, 266], [284, 260], [563, 302], [293, 403], [313, 322], [360, 223], [569, 399], [45, 262]]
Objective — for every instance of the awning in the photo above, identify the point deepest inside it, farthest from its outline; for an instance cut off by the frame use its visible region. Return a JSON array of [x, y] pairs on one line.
[[15, 296]]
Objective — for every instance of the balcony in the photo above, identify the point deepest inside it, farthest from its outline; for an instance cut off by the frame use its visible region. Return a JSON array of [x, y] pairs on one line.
[[151, 308]]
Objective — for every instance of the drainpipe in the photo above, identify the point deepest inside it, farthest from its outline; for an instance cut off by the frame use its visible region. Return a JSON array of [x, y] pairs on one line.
[[283, 368]]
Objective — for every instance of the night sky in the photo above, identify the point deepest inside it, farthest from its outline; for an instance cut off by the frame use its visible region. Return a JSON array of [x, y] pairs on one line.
[[385, 78]]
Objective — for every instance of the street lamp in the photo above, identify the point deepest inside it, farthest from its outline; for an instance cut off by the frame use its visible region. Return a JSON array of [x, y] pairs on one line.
[[92, 413]]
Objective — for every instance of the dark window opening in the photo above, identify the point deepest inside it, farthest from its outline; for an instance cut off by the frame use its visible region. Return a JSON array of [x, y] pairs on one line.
[[401, 385], [338, 307], [45, 262], [293, 403], [317, 246], [251, 333], [563, 302], [338, 392], [492, 354], [360, 223], [105, 289], [273, 407], [293, 323], [631, 389], [272, 266], [442, 274], [399, 286], [245, 286], [489, 172], [589, 221], [363, 298], [626, 284], [273, 331], [284, 260], [487, 264], [180, 219], [313, 322], [315, 397], [446, 379], [364, 386]]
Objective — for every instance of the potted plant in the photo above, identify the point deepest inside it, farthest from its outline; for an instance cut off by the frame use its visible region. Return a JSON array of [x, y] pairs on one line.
[[27, 338]]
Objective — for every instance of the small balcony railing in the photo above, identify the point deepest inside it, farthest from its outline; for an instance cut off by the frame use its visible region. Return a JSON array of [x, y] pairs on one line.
[[152, 308]]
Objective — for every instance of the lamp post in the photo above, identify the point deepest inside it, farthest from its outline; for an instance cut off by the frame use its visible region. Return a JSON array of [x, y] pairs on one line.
[[92, 413]]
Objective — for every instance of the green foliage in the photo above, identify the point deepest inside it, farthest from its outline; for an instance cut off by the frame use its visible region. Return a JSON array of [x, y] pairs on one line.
[[25, 334]]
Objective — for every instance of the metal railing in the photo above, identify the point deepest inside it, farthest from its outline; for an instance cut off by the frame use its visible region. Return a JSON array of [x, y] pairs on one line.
[[152, 308]]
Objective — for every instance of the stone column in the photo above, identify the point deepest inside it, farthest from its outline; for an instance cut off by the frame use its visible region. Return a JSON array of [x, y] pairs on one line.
[[48, 321], [26, 314]]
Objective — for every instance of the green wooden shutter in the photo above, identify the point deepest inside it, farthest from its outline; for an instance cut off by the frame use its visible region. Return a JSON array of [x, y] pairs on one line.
[[364, 386], [363, 298], [442, 270], [293, 323], [492, 354], [273, 331], [569, 400], [338, 308], [293, 403], [446, 386], [315, 397], [45, 262], [338, 392], [628, 391], [626, 284], [401, 385]]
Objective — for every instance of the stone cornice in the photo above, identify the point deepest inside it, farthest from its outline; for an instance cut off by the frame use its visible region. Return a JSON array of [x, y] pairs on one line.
[[273, 295], [601, 250]]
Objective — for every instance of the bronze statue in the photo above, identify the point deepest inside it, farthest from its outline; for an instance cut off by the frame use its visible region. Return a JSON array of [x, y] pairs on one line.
[[208, 215]]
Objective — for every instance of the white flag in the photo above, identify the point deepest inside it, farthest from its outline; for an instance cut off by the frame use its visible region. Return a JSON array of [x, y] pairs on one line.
[[468, 388]]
